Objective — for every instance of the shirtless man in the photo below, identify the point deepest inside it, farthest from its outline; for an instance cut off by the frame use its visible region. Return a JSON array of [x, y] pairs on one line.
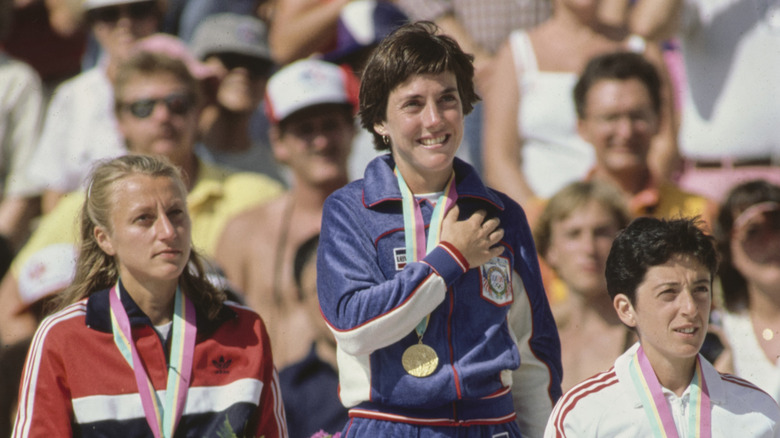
[[573, 236], [311, 110]]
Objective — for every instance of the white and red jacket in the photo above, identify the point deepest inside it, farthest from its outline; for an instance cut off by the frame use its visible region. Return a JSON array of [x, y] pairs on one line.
[[77, 383], [608, 405]]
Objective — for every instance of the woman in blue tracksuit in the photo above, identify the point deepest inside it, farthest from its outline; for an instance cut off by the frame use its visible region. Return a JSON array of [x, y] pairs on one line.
[[428, 279]]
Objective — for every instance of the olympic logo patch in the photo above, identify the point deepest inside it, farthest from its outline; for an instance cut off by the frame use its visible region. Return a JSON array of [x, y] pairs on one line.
[[496, 280]]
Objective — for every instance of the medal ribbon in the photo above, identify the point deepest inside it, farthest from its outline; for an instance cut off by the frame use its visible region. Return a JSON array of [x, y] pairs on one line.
[[414, 226], [162, 419], [657, 408]]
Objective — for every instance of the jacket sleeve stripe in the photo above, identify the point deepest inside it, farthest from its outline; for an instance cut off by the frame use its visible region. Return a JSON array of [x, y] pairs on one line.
[[570, 400], [279, 414], [32, 366], [391, 326], [200, 400]]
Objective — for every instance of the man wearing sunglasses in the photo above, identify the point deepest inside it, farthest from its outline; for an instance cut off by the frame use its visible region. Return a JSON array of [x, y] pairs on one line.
[[80, 126], [234, 132], [157, 107]]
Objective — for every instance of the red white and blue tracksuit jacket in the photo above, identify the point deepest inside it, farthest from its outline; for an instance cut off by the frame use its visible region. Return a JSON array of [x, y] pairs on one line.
[[491, 326], [77, 383]]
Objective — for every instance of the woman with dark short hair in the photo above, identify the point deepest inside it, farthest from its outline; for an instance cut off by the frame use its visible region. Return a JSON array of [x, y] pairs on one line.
[[428, 279], [659, 276]]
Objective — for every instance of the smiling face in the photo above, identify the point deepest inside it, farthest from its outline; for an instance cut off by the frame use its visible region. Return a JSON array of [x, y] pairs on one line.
[[579, 246], [619, 121], [671, 310], [149, 233], [424, 122]]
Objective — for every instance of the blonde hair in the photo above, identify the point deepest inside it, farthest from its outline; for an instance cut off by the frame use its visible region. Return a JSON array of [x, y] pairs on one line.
[[572, 197], [96, 270]]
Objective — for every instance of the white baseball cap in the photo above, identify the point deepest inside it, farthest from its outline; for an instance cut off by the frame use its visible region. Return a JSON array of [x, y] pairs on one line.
[[94, 4], [47, 272], [306, 83]]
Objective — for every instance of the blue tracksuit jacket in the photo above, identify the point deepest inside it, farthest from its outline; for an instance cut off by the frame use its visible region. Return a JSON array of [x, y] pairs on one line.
[[491, 326]]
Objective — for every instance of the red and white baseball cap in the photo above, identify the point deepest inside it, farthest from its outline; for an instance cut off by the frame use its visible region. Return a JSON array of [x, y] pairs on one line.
[[306, 83], [45, 273]]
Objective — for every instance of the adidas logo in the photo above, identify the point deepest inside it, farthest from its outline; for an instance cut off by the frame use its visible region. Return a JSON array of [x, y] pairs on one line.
[[222, 365]]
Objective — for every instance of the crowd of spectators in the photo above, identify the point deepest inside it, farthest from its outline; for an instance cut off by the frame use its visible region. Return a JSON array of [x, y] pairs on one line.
[[595, 113]]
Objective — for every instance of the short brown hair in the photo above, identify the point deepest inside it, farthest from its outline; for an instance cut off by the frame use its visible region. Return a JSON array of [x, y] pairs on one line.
[[412, 49]]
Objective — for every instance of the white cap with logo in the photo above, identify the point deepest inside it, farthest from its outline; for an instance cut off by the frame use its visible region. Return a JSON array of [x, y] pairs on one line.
[[306, 83]]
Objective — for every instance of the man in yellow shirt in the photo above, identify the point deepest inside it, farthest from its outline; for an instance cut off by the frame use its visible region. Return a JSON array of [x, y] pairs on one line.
[[618, 100], [157, 106]]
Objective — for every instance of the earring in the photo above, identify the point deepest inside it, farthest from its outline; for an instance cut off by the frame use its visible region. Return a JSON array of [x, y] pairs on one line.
[[385, 140]]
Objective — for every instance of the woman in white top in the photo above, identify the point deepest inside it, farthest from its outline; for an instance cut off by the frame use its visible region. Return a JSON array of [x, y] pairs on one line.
[[748, 232], [531, 147]]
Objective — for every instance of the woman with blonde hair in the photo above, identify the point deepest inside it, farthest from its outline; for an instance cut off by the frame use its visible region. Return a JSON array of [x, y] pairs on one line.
[[173, 355]]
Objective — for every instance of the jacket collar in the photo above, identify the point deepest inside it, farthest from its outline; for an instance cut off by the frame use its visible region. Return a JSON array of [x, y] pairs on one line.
[[99, 316], [380, 184], [715, 385]]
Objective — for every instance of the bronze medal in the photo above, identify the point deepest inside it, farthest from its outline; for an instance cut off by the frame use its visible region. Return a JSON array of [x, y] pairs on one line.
[[420, 360]]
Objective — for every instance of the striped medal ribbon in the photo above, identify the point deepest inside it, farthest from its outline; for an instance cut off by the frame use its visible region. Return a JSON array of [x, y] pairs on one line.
[[420, 360], [162, 419], [657, 408]]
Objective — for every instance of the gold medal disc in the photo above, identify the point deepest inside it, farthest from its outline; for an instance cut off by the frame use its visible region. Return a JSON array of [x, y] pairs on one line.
[[420, 360]]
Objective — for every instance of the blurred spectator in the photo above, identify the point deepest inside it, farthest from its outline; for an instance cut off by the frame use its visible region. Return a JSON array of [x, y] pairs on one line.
[[311, 109], [80, 126], [236, 46], [318, 18], [618, 103], [361, 26], [46, 273], [479, 27], [574, 235], [49, 35], [531, 146], [157, 105], [310, 386], [729, 131], [655, 20], [748, 233], [184, 16], [21, 110]]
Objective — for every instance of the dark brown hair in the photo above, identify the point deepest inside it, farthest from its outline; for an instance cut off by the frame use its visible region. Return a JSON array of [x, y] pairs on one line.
[[620, 66], [412, 49]]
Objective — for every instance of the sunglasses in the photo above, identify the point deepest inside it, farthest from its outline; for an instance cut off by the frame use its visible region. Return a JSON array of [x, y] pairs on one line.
[[256, 67], [178, 104], [112, 14]]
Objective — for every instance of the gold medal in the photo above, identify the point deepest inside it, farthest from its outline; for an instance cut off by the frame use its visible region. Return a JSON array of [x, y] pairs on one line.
[[420, 360]]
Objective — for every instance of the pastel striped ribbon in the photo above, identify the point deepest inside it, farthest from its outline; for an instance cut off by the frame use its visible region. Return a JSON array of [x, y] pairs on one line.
[[659, 414], [414, 226], [162, 418]]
